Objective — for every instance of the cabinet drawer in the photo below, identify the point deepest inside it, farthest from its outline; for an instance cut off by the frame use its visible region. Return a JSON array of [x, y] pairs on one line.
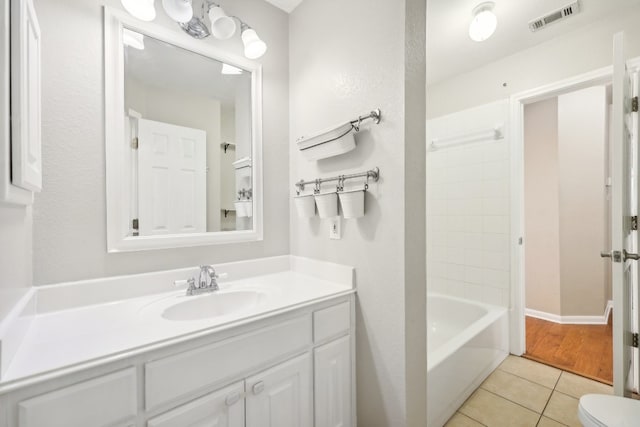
[[104, 401], [331, 321], [184, 373]]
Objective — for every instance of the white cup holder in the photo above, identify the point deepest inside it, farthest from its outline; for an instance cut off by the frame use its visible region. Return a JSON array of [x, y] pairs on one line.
[[306, 206], [327, 204], [352, 202]]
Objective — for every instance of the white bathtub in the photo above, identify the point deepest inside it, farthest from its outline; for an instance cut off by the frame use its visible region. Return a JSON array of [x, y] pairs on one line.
[[466, 341]]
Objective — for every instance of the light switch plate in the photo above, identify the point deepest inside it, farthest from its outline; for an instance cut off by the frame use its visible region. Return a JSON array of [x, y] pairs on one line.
[[334, 228]]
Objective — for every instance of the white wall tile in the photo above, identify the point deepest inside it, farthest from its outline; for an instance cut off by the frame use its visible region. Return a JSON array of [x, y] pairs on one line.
[[495, 206], [495, 170], [495, 224], [496, 278], [472, 240]]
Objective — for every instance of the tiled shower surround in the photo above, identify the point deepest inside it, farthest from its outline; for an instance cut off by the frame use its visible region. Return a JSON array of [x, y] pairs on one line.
[[468, 208]]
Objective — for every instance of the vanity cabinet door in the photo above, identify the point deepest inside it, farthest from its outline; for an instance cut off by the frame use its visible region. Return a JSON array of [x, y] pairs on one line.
[[223, 408], [332, 384], [281, 396]]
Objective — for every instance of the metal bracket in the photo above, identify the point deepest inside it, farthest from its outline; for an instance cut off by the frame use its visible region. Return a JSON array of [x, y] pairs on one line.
[[634, 340], [634, 222], [634, 104], [135, 143]]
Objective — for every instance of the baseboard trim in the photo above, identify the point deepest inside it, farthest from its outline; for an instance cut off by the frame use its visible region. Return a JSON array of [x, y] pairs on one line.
[[572, 320]]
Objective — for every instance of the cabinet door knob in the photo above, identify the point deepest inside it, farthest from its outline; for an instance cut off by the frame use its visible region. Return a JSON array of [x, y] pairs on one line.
[[232, 399], [258, 387]]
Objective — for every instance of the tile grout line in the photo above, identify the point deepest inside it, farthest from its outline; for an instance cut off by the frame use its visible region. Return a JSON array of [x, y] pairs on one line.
[[549, 400], [509, 400]]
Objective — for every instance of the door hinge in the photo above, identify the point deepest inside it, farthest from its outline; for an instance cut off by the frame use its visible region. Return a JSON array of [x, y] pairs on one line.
[[634, 340], [634, 222], [135, 225], [134, 143], [634, 104]]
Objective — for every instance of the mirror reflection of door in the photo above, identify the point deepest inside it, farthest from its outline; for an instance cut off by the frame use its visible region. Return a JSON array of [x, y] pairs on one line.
[[172, 179], [190, 168]]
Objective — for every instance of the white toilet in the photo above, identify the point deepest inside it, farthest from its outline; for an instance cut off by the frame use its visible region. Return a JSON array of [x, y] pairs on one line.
[[599, 410]]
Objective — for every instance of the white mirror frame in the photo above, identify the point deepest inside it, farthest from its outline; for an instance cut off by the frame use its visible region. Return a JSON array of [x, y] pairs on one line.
[[118, 238]]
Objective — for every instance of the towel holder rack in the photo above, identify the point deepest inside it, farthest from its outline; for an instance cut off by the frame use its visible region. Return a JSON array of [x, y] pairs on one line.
[[373, 174], [374, 115]]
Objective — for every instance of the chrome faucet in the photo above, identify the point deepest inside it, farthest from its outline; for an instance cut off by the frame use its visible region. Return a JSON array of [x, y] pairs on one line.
[[207, 281]]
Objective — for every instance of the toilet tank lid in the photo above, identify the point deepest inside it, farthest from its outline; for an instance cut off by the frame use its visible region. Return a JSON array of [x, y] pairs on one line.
[[612, 411]]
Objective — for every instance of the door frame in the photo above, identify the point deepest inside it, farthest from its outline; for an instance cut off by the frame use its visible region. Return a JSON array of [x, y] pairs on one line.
[[517, 102]]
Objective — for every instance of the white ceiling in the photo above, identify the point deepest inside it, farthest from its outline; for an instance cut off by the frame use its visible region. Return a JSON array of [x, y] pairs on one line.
[[164, 65], [286, 5], [450, 51]]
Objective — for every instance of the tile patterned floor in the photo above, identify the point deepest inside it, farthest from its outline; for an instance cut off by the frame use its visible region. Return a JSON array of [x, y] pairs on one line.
[[524, 393]]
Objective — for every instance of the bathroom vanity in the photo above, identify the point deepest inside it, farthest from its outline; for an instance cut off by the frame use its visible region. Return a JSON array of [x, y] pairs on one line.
[[273, 347]]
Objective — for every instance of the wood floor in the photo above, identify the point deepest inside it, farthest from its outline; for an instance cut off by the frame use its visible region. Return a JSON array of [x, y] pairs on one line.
[[585, 350]]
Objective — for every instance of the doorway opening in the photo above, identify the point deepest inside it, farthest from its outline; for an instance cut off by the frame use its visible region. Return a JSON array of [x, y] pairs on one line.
[[567, 214]]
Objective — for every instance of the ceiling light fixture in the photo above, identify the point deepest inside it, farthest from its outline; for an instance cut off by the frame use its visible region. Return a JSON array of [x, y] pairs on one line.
[[144, 10], [484, 22], [178, 10]]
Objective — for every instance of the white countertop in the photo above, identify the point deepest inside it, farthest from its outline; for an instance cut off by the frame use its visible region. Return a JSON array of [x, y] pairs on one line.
[[84, 336]]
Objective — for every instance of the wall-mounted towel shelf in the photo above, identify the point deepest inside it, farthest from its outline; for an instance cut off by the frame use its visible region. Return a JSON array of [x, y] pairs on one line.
[[335, 140], [373, 174], [493, 134]]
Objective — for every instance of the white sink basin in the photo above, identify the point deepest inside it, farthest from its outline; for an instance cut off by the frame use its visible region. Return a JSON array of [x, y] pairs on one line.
[[215, 304]]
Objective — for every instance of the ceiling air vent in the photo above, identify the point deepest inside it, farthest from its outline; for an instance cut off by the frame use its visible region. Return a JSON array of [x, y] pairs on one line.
[[555, 16]]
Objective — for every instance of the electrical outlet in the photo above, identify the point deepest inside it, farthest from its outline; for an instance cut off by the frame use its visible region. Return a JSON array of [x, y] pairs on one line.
[[334, 228]]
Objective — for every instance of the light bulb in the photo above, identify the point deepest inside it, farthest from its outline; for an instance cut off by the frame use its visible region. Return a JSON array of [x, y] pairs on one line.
[[484, 22], [253, 47], [178, 10], [144, 10], [222, 26], [132, 39]]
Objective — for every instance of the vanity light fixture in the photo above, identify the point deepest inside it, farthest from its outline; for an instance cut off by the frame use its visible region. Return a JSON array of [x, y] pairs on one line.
[[132, 39], [223, 27], [231, 70], [178, 10], [144, 10], [484, 22], [253, 46]]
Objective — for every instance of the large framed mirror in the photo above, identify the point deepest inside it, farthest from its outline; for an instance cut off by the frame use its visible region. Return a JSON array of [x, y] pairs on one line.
[[183, 140]]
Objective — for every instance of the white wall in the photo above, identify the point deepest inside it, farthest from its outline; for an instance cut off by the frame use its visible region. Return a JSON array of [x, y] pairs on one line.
[[346, 58], [541, 207], [468, 208], [574, 53], [15, 254], [582, 130], [69, 215], [566, 204]]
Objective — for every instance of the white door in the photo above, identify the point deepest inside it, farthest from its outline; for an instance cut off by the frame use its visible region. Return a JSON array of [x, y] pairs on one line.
[[26, 155], [622, 237], [223, 408], [281, 396], [172, 175], [332, 384]]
